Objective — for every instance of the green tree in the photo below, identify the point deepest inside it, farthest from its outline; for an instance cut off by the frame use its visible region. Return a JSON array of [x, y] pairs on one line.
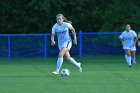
[[38, 16], [119, 13]]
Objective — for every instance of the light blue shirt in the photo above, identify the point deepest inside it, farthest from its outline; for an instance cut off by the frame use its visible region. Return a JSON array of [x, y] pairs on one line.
[[128, 37], [62, 32]]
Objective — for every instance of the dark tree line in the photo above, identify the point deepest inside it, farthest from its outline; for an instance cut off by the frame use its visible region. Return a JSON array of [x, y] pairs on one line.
[[38, 16]]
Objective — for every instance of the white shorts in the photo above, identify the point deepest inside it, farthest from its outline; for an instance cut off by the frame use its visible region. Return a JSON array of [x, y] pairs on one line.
[[132, 48], [65, 45]]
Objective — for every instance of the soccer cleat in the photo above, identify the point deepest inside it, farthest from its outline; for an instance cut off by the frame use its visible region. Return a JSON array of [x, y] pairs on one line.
[[135, 62], [79, 67], [130, 66], [56, 72]]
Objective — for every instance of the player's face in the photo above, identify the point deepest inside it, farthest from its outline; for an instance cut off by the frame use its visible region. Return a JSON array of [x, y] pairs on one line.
[[59, 21], [128, 28]]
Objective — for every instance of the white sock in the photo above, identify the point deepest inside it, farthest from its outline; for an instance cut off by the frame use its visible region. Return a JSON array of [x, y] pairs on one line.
[[72, 61], [134, 60], [59, 63], [128, 60]]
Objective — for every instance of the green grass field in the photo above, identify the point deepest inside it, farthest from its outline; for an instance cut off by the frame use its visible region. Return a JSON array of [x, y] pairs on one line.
[[100, 75]]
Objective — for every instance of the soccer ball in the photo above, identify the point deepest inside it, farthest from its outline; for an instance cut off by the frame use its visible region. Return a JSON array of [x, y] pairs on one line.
[[65, 72]]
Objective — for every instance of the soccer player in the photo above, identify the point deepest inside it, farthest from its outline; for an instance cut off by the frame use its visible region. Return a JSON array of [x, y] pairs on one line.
[[61, 29], [129, 39]]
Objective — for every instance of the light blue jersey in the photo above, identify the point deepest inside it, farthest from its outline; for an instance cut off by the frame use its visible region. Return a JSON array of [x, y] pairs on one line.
[[128, 38], [62, 33]]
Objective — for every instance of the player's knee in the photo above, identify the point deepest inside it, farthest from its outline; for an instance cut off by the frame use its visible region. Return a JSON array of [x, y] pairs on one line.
[[128, 54], [67, 58], [132, 56], [60, 55]]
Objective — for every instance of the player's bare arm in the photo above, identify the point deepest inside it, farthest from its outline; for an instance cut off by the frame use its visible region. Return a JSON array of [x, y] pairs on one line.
[[122, 41], [52, 39], [135, 40], [74, 36]]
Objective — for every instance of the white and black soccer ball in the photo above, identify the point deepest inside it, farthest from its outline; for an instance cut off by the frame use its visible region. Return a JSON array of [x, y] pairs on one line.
[[65, 72]]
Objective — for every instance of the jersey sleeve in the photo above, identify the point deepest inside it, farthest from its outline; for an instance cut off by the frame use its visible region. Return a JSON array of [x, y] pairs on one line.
[[53, 29], [69, 26]]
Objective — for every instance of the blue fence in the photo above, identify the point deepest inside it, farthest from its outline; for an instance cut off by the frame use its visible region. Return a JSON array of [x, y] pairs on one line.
[[39, 45]]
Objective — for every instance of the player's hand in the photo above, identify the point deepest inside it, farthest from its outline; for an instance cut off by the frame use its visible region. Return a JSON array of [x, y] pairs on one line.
[[75, 41], [53, 43]]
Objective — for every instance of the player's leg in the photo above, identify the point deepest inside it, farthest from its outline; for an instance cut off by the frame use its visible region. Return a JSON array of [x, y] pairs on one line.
[[72, 61], [128, 57], [67, 56], [133, 53], [60, 60]]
